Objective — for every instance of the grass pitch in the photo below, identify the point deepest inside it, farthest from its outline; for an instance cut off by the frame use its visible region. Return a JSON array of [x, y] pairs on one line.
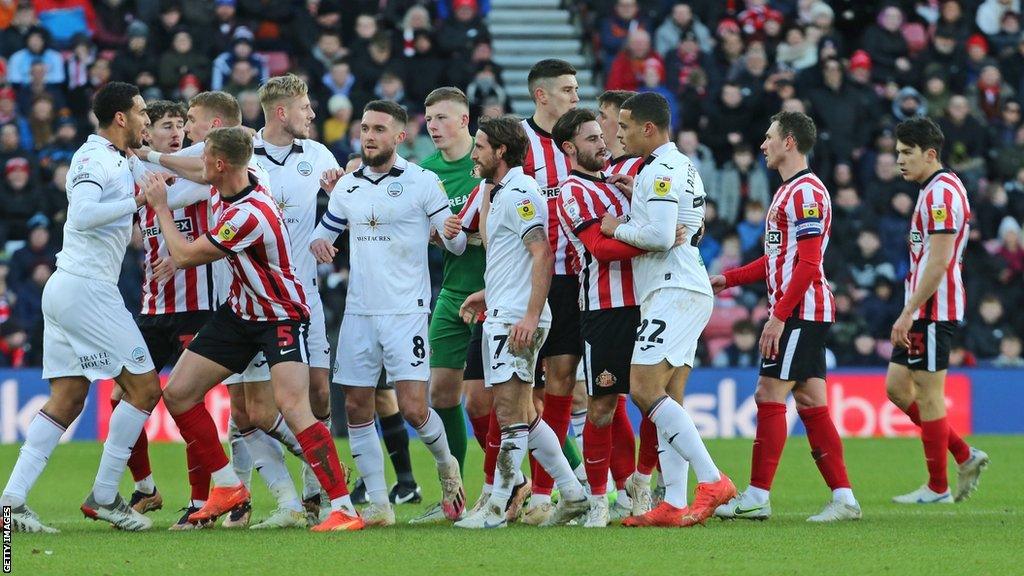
[[975, 537]]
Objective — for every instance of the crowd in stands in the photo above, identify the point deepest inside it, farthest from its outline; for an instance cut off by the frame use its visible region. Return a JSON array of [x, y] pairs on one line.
[[858, 67]]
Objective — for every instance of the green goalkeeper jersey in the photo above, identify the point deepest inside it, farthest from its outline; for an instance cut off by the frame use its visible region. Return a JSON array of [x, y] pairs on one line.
[[463, 274]]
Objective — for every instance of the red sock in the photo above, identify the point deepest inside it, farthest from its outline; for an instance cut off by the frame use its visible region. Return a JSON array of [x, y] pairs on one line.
[[826, 447], [481, 424], [935, 437], [197, 428], [623, 445], [597, 455], [198, 478], [960, 450], [558, 415], [648, 457], [768, 443], [493, 446], [318, 449], [138, 462]]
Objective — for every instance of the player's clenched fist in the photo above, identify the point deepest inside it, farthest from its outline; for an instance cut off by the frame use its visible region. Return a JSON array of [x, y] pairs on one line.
[[452, 226], [154, 188], [330, 178], [323, 251]]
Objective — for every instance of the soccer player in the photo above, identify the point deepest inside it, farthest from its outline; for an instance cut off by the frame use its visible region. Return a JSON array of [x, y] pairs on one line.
[[554, 90], [675, 301], [88, 333], [266, 311], [608, 104], [447, 122], [802, 309], [391, 206], [518, 273], [934, 305]]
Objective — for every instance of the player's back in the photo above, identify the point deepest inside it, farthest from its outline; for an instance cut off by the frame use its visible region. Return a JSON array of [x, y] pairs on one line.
[[98, 251], [668, 176], [389, 228]]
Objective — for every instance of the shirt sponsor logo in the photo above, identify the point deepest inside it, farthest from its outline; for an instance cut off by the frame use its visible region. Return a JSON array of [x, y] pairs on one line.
[[662, 185], [304, 168], [526, 209], [395, 189], [915, 237], [97, 360], [551, 192]]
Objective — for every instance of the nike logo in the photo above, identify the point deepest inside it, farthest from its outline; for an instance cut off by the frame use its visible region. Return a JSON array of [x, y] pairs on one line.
[[489, 525], [769, 365], [354, 456], [498, 365], [913, 360], [287, 351], [741, 511], [646, 348], [592, 462], [432, 442], [416, 363]]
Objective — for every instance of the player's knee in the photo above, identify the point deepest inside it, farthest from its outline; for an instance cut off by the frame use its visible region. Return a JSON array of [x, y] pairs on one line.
[[65, 408], [358, 409], [478, 405], [600, 417], [806, 400], [414, 413]]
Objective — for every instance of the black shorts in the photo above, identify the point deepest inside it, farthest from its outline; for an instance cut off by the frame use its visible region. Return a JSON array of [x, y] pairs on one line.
[[607, 341], [166, 335], [232, 342], [930, 342], [564, 335], [474, 354], [801, 352]]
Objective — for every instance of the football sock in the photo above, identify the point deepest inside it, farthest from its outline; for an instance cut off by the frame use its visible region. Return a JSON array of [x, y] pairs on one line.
[[198, 478], [126, 423], [579, 422], [268, 460], [318, 447], [493, 447], [677, 428], [41, 438], [200, 434], [623, 462], [241, 459], [597, 453], [432, 433], [544, 447], [827, 447], [480, 427], [844, 495], [396, 440], [369, 459], [283, 434], [557, 414], [758, 495], [935, 437], [768, 443], [514, 444], [647, 458], [675, 473], [960, 450], [138, 462], [457, 437]]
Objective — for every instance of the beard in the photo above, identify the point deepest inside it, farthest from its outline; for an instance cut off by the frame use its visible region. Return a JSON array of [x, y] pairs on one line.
[[485, 171], [300, 132], [594, 162], [379, 159]]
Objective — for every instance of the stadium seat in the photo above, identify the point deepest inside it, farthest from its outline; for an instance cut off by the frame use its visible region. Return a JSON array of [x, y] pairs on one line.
[[722, 319], [278, 62]]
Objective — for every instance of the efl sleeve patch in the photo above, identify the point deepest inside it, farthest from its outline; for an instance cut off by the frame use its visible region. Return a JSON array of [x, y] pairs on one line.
[[572, 210], [227, 232], [526, 210], [662, 186], [810, 210], [939, 213]]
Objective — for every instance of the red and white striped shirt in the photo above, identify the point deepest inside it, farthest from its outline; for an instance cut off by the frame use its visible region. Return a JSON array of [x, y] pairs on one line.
[[251, 230], [470, 213], [549, 166], [628, 165], [942, 208], [190, 289], [800, 209], [582, 202]]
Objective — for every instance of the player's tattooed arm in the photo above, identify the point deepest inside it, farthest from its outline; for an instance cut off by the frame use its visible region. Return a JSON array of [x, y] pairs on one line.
[[522, 333]]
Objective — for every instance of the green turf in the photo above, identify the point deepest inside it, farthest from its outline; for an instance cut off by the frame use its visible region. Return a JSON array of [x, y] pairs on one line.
[[975, 537]]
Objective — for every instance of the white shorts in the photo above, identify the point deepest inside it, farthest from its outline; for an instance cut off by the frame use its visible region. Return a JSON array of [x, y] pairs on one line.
[[671, 322], [256, 371], [316, 340], [500, 364], [398, 342], [87, 331]]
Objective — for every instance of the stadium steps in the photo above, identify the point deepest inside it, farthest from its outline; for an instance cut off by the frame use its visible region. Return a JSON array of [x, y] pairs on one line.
[[526, 31]]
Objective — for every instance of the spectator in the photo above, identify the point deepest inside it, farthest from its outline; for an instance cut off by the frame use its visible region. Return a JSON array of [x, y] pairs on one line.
[[742, 352], [880, 308], [867, 263], [1012, 67], [952, 21], [13, 37], [729, 124], [966, 142], [369, 70], [1005, 41], [700, 155], [751, 229], [990, 14], [751, 71], [989, 93], [13, 343], [41, 121], [977, 58], [485, 89], [10, 144], [936, 94], [37, 250], [680, 22], [652, 79], [252, 111], [63, 146], [848, 217], [842, 121], [22, 200], [181, 60], [328, 49], [458, 34], [136, 56], [242, 48], [888, 50], [756, 17], [55, 200], [798, 52], [336, 126], [1011, 252], [894, 227], [28, 310], [908, 104], [884, 184], [390, 87], [1009, 353], [684, 61], [83, 54], [848, 325], [37, 87], [617, 26], [864, 353], [424, 70], [740, 181], [244, 77], [988, 328], [366, 31], [416, 19], [225, 22], [627, 69], [36, 50]]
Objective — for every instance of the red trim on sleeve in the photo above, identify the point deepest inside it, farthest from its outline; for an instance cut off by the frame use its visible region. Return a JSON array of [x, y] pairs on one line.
[[604, 248]]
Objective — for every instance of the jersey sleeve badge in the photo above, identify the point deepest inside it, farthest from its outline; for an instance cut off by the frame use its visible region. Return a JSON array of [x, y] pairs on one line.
[[526, 209], [572, 210], [939, 212], [810, 210], [227, 232], [662, 185]]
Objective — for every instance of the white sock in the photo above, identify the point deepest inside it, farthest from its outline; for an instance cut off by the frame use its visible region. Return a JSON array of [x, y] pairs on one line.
[[126, 423], [675, 472], [146, 485], [41, 438], [622, 498], [343, 504], [581, 474], [539, 499], [579, 420], [268, 460], [545, 447], [844, 495], [676, 426], [369, 457], [310, 483], [644, 479], [758, 495], [241, 460], [514, 445], [226, 476], [283, 434], [434, 438], [196, 503]]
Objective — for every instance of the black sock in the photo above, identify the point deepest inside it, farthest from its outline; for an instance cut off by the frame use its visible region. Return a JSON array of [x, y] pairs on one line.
[[396, 439]]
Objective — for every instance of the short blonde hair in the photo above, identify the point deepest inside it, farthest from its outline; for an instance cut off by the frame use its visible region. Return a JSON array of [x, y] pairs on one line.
[[221, 104], [281, 88], [233, 145]]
